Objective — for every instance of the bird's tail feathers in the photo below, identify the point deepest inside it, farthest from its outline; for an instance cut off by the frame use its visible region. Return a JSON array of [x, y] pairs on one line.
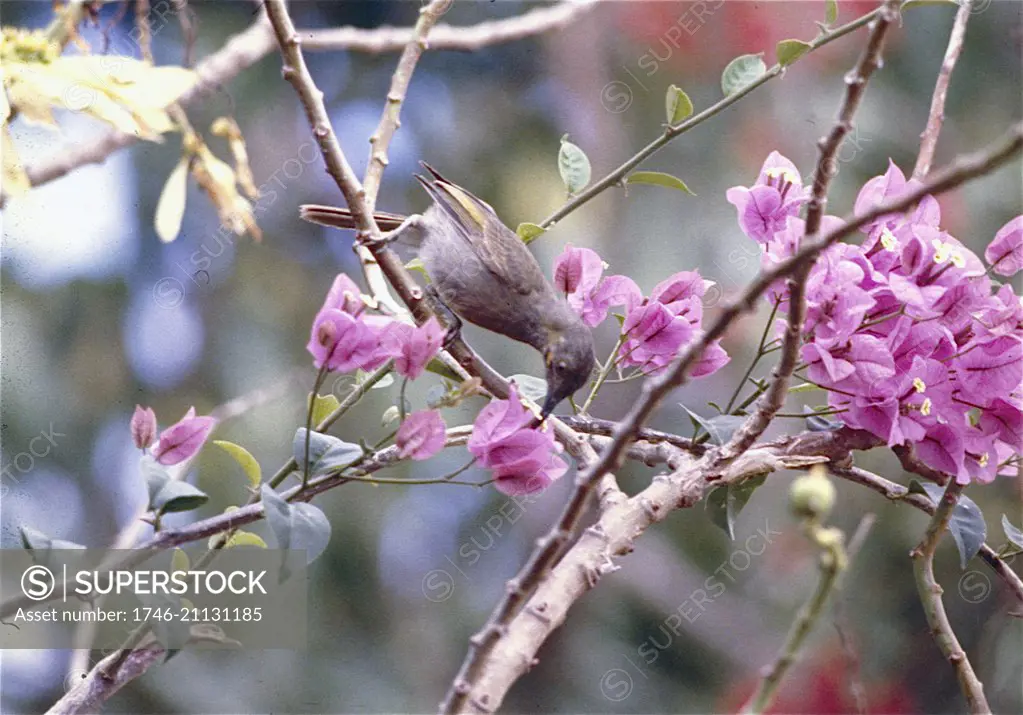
[[337, 217]]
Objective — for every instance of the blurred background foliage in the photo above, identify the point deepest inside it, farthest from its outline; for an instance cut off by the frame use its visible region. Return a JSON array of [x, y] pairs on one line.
[[98, 315]]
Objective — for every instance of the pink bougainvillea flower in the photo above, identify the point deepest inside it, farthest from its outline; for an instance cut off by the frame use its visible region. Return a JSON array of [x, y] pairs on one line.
[[524, 459], [344, 295], [421, 435], [412, 347], [577, 270], [343, 336], [713, 359], [143, 426], [184, 439], [764, 207], [886, 187], [344, 343], [654, 336], [1005, 252], [578, 273]]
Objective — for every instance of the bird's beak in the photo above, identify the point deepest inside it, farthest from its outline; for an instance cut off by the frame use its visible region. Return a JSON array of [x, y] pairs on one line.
[[548, 406]]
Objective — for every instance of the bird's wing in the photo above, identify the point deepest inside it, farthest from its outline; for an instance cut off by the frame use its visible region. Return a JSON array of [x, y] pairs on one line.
[[498, 247]]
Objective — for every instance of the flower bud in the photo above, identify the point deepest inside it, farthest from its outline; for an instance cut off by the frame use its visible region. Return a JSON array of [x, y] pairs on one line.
[[812, 496], [143, 426]]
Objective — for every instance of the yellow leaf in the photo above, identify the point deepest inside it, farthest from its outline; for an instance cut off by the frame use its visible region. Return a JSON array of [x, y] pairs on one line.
[[32, 106], [324, 405], [5, 107], [241, 538], [134, 83], [15, 180], [170, 209], [179, 561], [244, 458]]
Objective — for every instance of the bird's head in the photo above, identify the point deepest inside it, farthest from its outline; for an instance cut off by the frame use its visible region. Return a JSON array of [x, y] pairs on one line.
[[568, 355]]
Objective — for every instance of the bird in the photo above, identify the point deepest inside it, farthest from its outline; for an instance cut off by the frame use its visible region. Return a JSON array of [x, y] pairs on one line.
[[481, 271]]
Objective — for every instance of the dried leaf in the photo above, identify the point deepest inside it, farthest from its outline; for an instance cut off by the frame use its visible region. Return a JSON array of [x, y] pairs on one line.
[[170, 209]]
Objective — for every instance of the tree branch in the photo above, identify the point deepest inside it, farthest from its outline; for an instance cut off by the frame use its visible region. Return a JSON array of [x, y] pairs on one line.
[[930, 597], [400, 80], [936, 116]]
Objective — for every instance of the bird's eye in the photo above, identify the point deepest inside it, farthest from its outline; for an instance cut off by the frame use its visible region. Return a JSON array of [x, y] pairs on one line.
[[561, 365]]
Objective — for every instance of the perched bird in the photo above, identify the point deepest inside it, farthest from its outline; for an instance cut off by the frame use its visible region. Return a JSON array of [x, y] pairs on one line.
[[483, 272]]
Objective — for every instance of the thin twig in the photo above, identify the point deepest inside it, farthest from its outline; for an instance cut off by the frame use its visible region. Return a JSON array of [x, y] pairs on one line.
[[832, 562], [930, 597], [187, 20], [448, 37], [898, 493], [145, 32], [615, 177], [380, 140], [936, 116]]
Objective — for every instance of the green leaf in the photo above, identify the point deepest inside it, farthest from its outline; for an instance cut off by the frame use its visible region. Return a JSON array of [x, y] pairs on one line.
[[385, 381], [180, 561], [725, 503], [528, 232], [323, 406], [36, 541], [967, 522], [240, 538], [437, 367], [574, 166], [156, 476], [530, 387], [740, 72], [416, 264], [326, 452], [172, 633], [830, 12], [297, 527], [390, 415], [677, 105], [816, 423], [805, 387], [178, 496], [244, 458], [658, 178], [720, 428], [168, 495], [789, 51], [1014, 535], [310, 530]]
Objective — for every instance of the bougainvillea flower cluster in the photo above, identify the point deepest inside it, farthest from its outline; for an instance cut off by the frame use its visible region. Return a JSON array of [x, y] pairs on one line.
[[524, 457], [909, 334], [655, 329], [345, 337]]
